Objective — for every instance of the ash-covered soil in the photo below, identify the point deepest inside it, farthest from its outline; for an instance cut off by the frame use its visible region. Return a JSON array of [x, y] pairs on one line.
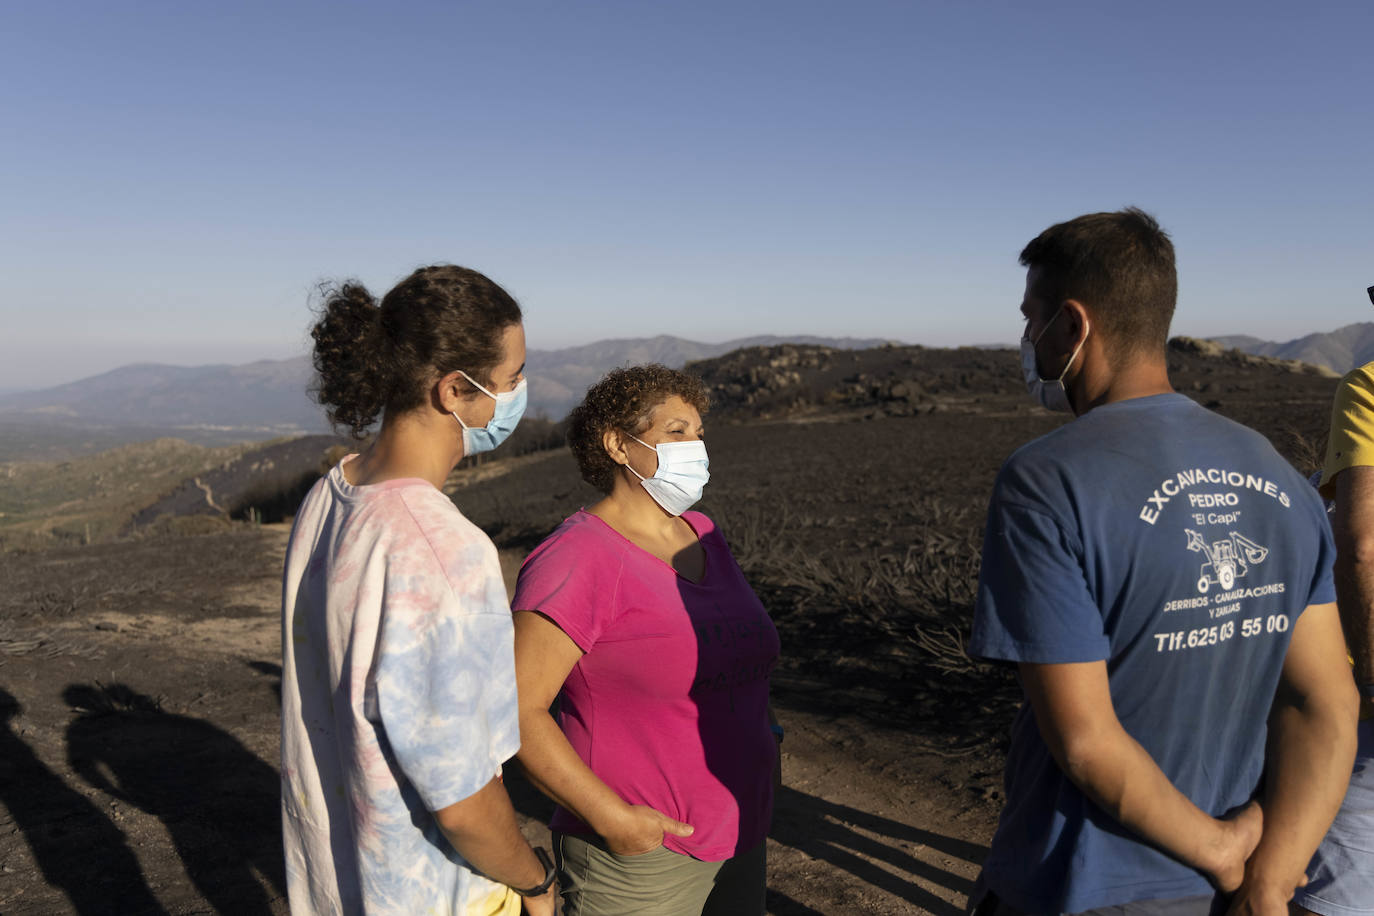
[[139, 722], [139, 679]]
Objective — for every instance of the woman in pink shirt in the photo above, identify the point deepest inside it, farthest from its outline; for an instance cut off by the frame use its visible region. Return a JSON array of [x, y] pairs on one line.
[[664, 759]]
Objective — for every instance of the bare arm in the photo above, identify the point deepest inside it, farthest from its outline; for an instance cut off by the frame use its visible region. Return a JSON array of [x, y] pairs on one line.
[[544, 655], [482, 828], [1353, 526], [1308, 761], [1073, 709]]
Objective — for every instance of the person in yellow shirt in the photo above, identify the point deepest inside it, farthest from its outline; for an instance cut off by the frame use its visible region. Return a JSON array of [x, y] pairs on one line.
[[1341, 874]]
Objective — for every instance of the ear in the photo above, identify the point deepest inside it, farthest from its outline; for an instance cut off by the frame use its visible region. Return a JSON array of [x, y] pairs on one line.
[[613, 441], [450, 392], [1077, 320]]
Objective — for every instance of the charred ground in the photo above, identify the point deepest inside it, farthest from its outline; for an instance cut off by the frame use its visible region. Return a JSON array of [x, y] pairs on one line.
[[140, 676]]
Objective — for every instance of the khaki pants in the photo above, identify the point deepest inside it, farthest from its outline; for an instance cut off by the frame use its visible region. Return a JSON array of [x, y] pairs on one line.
[[594, 881]]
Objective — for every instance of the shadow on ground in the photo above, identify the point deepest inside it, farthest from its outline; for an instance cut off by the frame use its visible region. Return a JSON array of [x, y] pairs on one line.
[[879, 851], [78, 848], [884, 853], [218, 800]]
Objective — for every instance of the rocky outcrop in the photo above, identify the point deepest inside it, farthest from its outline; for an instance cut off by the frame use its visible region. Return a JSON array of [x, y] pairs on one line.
[[1236, 356]]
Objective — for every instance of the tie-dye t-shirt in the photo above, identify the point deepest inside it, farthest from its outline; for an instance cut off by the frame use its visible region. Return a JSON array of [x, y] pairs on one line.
[[398, 699]]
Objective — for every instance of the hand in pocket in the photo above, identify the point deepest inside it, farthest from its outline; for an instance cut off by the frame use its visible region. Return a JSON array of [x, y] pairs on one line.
[[642, 830]]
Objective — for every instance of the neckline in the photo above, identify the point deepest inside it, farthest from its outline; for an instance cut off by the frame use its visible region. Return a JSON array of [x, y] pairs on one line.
[[705, 554], [1148, 400], [355, 490]]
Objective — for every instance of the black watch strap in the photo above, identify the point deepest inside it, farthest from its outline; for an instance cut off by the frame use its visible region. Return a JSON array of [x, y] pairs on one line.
[[550, 873]]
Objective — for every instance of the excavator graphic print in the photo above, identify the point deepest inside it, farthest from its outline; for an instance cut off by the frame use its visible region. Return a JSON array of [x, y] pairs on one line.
[[1227, 560]]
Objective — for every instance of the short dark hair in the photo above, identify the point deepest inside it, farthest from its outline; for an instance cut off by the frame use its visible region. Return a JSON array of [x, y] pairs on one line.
[[1120, 266], [623, 400], [375, 356]]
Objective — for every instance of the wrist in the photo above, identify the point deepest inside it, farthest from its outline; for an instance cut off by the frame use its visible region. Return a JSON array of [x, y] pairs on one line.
[[612, 822], [546, 879], [1214, 854], [1271, 881], [1268, 896]]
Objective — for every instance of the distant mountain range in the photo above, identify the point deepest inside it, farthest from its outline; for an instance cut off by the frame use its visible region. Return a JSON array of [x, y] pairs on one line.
[[269, 398], [1341, 350]]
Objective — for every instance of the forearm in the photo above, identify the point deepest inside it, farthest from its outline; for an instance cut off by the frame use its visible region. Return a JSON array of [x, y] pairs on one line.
[[1121, 778], [483, 829], [1355, 601], [555, 769], [1311, 749]]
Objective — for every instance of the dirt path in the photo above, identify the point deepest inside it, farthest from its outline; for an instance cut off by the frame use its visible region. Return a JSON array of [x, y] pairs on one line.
[[139, 687]]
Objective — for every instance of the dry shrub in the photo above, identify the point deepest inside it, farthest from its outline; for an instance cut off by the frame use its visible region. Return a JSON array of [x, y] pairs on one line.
[[16, 640], [895, 619]]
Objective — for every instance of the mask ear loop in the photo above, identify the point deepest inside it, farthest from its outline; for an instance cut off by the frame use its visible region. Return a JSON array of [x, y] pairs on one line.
[[626, 465], [1087, 329], [474, 384]]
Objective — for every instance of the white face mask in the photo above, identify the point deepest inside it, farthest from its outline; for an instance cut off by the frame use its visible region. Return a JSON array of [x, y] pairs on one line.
[[681, 476], [1048, 393]]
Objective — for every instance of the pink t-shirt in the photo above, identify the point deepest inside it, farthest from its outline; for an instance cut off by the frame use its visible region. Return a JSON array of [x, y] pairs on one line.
[[669, 704]]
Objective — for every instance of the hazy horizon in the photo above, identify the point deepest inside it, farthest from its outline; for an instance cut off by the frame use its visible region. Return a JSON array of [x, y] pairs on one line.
[[1009, 344]]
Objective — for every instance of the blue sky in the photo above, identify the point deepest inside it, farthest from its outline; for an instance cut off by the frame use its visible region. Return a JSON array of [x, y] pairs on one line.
[[176, 177]]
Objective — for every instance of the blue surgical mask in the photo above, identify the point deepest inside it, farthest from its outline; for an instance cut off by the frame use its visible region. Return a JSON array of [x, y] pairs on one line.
[[681, 476], [510, 407], [1048, 393]]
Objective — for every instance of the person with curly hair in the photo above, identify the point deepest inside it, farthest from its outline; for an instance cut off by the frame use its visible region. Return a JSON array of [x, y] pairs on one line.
[[398, 680], [664, 759]]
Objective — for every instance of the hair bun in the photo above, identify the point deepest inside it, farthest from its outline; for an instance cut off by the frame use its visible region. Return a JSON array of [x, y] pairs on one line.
[[350, 360]]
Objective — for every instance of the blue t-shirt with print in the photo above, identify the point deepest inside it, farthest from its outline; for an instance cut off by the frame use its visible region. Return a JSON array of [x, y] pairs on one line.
[[1180, 548]]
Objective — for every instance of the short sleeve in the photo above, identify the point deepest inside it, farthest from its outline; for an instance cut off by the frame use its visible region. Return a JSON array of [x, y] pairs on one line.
[[1351, 442], [1323, 579], [573, 579], [1033, 602], [445, 685]]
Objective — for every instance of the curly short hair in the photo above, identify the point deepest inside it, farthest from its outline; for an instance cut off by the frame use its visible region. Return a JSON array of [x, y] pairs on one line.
[[623, 400]]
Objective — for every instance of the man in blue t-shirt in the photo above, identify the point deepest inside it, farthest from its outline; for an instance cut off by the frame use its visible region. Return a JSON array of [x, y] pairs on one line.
[[1162, 579]]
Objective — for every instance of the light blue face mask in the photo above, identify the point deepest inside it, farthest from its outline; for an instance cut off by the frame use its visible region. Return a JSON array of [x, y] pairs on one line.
[[510, 407]]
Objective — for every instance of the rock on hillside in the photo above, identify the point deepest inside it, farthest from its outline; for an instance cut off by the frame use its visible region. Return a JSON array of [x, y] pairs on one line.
[[1288, 401], [791, 380], [1215, 349]]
